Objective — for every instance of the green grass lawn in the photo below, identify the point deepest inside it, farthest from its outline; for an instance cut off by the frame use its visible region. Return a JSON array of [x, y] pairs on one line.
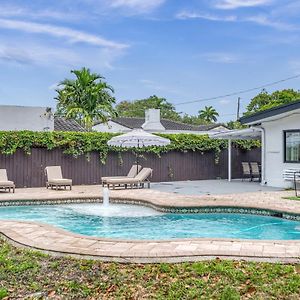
[[292, 198], [31, 274]]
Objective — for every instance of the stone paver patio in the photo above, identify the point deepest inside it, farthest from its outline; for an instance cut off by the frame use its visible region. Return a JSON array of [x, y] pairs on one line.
[[60, 242]]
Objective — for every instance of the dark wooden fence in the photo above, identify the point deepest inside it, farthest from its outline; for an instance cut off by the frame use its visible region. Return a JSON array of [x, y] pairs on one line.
[[28, 170]]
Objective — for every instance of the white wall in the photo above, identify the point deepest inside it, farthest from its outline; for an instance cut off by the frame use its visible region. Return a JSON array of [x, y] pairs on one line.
[[111, 127], [25, 118], [274, 150]]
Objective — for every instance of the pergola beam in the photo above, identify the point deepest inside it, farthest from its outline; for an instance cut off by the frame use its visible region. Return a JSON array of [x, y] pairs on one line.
[[240, 134]]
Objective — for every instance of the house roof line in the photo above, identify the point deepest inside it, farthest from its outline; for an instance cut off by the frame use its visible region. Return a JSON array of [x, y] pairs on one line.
[[137, 122], [63, 124], [271, 112]]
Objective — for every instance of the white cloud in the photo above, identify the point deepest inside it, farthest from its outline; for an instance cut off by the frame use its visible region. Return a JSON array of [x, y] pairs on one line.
[[37, 55], [233, 4], [61, 32], [194, 15], [142, 6], [262, 20], [8, 11], [266, 21], [57, 57], [223, 58]]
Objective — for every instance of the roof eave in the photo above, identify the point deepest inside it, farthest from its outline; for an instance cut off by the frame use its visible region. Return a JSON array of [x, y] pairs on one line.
[[269, 113]]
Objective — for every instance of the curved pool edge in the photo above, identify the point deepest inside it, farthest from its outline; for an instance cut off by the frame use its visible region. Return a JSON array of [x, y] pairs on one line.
[[56, 241], [59, 242], [208, 205]]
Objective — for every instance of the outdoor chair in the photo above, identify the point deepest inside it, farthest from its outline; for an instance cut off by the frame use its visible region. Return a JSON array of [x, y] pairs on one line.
[[246, 171], [255, 172], [138, 181], [134, 170], [5, 183], [55, 179]]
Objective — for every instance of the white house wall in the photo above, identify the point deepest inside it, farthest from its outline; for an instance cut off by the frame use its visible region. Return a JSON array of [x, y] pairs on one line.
[[25, 118], [274, 150], [112, 127]]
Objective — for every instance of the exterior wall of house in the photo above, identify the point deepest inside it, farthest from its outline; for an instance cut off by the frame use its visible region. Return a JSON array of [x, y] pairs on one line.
[[25, 118], [274, 150], [111, 127]]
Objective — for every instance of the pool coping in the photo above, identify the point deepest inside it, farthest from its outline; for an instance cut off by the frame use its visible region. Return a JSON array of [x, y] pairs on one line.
[[59, 242], [56, 241]]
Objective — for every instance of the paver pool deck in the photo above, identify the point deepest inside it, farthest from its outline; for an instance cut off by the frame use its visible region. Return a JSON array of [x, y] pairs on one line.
[[60, 242]]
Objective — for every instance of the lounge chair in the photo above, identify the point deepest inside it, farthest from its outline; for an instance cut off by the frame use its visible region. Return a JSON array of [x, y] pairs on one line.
[[138, 181], [55, 179], [135, 169], [255, 172], [246, 170], [4, 182]]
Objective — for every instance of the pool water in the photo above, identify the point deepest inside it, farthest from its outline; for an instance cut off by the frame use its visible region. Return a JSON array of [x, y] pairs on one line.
[[136, 222]]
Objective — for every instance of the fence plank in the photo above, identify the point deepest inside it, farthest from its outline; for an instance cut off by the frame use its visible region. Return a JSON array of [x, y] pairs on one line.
[[28, 170]]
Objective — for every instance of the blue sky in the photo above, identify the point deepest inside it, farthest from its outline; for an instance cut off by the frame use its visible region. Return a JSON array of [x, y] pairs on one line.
[[182, 50]]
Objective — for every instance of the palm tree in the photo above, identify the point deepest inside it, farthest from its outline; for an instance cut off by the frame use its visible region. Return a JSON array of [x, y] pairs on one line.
[[208, 114], [87, 98]]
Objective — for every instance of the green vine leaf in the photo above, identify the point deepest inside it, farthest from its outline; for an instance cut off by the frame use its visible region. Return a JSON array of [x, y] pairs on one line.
[[83, 143]]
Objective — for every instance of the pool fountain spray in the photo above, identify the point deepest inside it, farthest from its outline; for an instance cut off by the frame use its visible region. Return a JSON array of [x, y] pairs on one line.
[[105, 193]]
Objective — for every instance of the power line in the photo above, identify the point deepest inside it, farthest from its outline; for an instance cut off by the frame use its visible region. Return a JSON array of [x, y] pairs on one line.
[[240, 92]]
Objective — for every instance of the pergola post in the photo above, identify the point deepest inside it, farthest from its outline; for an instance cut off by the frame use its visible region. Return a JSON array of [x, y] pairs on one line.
[[263, 158], [229, 159]]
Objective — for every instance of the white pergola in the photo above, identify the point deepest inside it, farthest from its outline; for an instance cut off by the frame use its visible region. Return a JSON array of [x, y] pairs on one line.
[[251, 133]]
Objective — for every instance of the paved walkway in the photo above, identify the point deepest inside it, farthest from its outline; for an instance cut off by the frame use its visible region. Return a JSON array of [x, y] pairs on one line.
[[212, 187], [53, 240]]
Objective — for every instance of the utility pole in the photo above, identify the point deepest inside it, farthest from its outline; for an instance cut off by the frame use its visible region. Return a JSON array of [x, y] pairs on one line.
[[238, 108]]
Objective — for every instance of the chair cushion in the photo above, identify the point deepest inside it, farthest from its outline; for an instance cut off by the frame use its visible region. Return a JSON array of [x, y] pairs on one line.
[[124, 180], [104, 179], [60, 181], [6, 183]]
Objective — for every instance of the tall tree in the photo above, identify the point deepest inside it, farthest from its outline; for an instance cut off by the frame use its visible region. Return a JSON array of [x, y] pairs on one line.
[[87, 98], [264, 100], [137, 108], [208, 114]]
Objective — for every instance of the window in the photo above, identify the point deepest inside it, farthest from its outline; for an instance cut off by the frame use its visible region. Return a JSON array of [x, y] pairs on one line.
[[292, 146]]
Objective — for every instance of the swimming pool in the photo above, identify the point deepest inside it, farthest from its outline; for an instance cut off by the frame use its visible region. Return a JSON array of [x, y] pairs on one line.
[[140, 223]]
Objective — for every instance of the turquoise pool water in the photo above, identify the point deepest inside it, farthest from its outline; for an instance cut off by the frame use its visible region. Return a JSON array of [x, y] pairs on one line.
[[135, 222]]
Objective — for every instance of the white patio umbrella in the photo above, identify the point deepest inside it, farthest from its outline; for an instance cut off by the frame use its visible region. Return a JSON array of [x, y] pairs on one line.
[[138, 138]]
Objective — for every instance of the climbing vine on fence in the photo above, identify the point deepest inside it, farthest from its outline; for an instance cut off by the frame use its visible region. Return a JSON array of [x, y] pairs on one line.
[[83, 143]]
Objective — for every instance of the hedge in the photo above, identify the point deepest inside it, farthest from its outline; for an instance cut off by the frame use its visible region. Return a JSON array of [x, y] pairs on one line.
[[83, 143]]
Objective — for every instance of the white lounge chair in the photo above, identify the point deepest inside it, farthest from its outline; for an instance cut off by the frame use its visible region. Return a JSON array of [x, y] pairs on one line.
[[138, 181], [55, 179], [5, 183], [134, 170]]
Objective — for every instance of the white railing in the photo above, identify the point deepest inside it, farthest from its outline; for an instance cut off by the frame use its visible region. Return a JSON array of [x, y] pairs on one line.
[[292, 174]]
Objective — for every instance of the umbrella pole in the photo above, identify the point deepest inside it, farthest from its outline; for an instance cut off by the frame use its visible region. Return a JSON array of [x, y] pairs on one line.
[[137, 159]]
